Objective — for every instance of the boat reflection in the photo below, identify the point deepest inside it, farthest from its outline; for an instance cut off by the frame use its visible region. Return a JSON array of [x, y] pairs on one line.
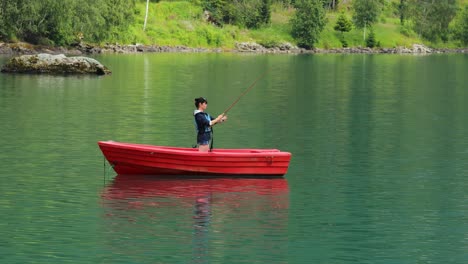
[[141, 186], [210, 213]]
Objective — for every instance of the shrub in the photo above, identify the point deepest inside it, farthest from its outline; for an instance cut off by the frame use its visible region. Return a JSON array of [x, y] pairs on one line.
[[244, 13], [371, 42], [308, 22], [460, 30], [343, 24], [407, 30]]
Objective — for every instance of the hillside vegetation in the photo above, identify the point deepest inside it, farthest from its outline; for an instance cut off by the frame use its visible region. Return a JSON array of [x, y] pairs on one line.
[[175, 23], [438, 24]]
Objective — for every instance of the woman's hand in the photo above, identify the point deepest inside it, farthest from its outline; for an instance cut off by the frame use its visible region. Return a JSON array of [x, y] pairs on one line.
[[220, 118]]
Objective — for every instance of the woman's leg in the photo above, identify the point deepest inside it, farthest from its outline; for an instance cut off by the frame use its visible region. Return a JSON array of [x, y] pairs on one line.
[[204, 148]]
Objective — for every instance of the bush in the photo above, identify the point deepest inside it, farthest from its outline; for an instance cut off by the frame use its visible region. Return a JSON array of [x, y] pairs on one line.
[[344, 43], [270, 43], [371, 42], [407, 30], [244, 13], [460, 30], [343, 24], [308, 22]]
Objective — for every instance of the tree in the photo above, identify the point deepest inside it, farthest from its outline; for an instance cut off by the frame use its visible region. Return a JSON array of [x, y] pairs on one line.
[[366, 13], [217, 10], [146, 14], [7, 9], [461, 27], [244, 13], [343, 24], [265, 11], [308, 22], [432, 18], [331, 4], [63, 22], [284, 3], [403, 10], [90, 24], [371, 42]]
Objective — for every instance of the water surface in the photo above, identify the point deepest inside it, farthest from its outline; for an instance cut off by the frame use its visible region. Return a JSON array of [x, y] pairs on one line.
[[378, 173]]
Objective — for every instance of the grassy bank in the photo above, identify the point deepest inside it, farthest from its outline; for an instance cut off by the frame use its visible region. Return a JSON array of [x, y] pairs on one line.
[[181, 23]]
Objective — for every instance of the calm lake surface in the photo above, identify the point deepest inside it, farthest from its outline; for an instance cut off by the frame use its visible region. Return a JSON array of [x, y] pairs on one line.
[[378, 174]]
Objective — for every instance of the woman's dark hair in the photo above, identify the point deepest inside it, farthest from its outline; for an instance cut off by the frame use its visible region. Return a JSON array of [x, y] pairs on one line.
[[200, 100]]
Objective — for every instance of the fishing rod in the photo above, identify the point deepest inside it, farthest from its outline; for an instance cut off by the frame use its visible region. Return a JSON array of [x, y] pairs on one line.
[[235, 102], [244, 93]]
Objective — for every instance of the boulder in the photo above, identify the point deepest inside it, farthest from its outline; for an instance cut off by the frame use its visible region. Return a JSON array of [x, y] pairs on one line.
[[249, 47], [418, 48], [5, 49], [55, 64]]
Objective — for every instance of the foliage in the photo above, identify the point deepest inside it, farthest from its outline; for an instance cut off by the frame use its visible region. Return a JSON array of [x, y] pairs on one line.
[[407, 29], [284, 3], [63, 22], [308, 22], [461, 27], [265, 11], [371, 42], [52, 22], [403, 10], [343, 24], [217, 11], [432, 18], [331, 4], [366, 12], [179, 23], [243, 13]]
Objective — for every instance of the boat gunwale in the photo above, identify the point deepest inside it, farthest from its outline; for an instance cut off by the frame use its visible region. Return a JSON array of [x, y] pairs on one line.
[[193, 151]]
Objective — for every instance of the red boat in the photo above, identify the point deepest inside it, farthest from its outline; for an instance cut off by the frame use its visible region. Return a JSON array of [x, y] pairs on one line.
[[129, 158]]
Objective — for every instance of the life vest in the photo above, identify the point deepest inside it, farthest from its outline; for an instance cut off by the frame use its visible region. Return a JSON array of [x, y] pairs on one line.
[[207, 117]]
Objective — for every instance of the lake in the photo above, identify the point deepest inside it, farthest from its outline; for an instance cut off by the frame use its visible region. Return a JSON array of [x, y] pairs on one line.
[[378, 173]]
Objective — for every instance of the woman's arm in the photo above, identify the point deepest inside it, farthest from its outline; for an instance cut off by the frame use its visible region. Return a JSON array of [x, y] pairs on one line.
[[220, 118]]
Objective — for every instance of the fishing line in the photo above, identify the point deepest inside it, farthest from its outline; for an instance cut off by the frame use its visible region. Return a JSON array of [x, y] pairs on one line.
[[236, 101], [245, 92]]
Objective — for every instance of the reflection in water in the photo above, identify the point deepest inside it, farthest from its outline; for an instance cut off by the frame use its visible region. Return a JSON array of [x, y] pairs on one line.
[[208, 219], [141, 186], [202, 217]]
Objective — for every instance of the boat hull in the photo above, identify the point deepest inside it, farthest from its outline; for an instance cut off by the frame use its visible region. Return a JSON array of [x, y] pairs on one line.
[[128, 158]]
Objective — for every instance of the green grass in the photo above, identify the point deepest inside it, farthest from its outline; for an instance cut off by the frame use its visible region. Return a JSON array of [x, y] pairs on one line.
[[181, 23], [387, 33], [175, 24]]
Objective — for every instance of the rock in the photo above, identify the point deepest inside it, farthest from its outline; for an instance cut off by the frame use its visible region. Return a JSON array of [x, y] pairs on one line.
[[55, 64], [418, 48], [249, 47], [402, 50], [5, 49], [253, 47]]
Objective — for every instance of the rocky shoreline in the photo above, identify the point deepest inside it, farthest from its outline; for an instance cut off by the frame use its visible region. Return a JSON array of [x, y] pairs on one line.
[[243, 47]]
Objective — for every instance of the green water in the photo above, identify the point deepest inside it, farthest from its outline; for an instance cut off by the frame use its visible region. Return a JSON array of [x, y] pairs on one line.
[[378, 175]]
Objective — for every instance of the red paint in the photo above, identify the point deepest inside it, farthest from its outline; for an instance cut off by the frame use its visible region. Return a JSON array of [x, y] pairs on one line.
[[128, 158]]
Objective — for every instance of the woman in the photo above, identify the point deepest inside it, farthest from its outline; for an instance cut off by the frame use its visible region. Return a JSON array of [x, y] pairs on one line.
[[203, 124]]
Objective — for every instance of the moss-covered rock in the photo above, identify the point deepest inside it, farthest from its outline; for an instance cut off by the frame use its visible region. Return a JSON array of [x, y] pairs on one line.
[[54, 64]]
